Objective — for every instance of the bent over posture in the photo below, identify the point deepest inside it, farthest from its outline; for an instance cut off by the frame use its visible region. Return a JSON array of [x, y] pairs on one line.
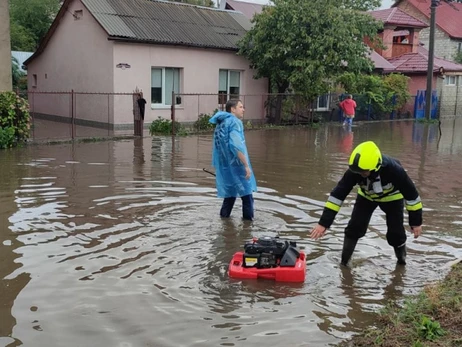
[[234, 176], [383, 182]]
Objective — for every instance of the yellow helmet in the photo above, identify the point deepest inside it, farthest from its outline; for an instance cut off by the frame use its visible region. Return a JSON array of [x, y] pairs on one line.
[[365, 157]]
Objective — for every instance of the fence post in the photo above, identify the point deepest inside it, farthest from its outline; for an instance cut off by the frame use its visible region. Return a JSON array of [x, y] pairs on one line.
[[108, 115], [173, 113], [72, 113]]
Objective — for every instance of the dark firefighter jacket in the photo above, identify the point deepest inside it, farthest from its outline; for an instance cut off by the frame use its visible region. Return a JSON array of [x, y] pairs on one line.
[[395, 185]]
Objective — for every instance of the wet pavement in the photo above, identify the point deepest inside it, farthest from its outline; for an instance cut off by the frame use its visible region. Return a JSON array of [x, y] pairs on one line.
[[119, 243]]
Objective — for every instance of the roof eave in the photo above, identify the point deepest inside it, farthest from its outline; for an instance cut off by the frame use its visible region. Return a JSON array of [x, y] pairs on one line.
[[152, 42]]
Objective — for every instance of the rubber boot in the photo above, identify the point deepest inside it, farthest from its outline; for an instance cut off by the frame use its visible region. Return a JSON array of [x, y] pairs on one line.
[[348, 249], [400, 253]]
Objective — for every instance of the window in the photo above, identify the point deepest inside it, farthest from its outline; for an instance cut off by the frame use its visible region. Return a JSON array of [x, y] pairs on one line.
[[322, 103], [34, 80], [451, 80], [163, 82], [229, 82]]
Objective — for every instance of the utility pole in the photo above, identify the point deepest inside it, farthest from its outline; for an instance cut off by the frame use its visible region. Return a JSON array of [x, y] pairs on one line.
[[5, 47], [431, 54]]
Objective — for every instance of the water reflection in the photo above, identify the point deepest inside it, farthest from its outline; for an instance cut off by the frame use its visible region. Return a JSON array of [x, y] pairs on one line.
[[120, 243]]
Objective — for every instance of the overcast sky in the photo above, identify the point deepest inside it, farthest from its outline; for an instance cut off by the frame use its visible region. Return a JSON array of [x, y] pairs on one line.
[[385, 3]]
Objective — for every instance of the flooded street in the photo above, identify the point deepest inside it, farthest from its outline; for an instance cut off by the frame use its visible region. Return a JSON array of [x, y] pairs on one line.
[[119, 243]]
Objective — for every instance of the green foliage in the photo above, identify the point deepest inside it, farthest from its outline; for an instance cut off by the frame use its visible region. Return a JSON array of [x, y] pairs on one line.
[[385, 93], [30, 21], [458, 57], [14, 120], [17, 74], [6, 137], [361, 5], [429, 329], [202, 123], [164, 126], [304, 44]]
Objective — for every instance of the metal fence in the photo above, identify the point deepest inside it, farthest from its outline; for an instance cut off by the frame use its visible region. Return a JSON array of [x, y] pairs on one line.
[[286, 108], [71, 114]]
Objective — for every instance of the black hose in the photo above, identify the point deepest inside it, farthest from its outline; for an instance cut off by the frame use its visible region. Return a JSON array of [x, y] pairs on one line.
[[209, 172]]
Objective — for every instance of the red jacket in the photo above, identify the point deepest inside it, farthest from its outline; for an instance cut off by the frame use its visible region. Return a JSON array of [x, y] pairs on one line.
[[348, 106]]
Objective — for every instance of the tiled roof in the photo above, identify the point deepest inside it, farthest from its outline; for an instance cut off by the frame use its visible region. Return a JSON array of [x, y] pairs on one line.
[[247, 8], [448, 17], [418, 63], [167, 22], [397, 17]]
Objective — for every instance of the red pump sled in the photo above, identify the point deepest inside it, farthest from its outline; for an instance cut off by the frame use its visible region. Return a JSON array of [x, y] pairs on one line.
[[269, 258]]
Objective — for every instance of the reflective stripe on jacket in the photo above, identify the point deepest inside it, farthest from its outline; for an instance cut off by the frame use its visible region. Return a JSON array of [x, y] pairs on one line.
[[391, 183]]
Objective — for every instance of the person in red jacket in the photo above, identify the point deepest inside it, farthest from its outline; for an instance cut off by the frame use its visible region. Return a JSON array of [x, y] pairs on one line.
[[348, 107]]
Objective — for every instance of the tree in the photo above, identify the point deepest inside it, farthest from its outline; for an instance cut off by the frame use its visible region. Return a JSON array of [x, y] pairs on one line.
[[16, 72], [30, 21], [458, 57], [207, 3], [305, 44]]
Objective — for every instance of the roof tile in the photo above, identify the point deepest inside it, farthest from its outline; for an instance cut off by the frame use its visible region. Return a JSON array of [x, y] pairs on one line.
[[397, 17], [448, 16]]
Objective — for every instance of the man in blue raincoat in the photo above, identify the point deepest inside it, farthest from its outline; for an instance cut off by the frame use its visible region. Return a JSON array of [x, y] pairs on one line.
[[234, 176]]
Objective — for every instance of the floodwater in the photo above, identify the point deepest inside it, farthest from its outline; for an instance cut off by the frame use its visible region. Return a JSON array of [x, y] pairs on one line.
[[119, 243]]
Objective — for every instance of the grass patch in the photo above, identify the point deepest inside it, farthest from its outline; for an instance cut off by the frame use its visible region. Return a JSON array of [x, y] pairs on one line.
[[432, 318], [427, 121]]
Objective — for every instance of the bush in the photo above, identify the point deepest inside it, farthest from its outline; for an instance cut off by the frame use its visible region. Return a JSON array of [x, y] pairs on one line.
[[164, 126], [6, 137], [203, 122], [14, 120]]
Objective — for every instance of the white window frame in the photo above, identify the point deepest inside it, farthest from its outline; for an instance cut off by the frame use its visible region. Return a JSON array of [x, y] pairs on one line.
[[448, 80], [164, 89], [228, 93], [323, 108]]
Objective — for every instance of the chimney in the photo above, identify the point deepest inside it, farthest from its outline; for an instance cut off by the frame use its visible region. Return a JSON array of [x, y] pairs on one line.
[[222, 4]]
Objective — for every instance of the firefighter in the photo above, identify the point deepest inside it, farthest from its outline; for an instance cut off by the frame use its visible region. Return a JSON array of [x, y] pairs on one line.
[[383, 182]]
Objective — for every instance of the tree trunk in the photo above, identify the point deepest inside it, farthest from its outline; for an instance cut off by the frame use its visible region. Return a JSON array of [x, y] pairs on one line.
[[5, 52], [279, 99]]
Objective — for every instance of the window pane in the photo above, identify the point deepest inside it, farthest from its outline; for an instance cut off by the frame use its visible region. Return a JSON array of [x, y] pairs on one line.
[[323, 101], [234, 92], [156, 86], [172, 83], [223, 81], [234, 79]]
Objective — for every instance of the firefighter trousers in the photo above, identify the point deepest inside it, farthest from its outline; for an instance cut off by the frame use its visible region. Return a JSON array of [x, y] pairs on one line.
[[362, 213]]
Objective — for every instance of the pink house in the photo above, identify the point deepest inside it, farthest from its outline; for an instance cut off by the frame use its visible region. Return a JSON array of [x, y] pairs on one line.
[[115, 46]]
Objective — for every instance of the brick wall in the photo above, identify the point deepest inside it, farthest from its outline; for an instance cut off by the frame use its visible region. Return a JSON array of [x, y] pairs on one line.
[[445, 47]]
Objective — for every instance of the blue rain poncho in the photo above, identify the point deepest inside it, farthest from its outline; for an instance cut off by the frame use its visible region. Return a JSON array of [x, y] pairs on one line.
[[228, 140]]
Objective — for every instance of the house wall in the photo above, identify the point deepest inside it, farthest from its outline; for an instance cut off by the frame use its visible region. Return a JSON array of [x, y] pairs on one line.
[[445, 47], [78, 57], [199, 75], [451, 99]]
